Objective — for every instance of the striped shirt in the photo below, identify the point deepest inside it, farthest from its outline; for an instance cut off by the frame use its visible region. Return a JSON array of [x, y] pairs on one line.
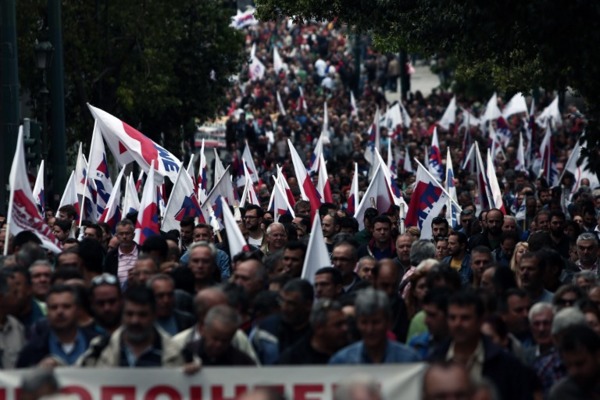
[[126, 263]]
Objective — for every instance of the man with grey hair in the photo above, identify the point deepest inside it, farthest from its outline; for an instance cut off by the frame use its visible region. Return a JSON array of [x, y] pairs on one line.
[[540, 318], [170, 319], [329, 333], [365, 268], [202, 264], [275, 238], [403, 247], [587, 258], [217, 331], [120, 260], [421, 250], [41, 272], [550, 368], [203, 302], [373, 320]]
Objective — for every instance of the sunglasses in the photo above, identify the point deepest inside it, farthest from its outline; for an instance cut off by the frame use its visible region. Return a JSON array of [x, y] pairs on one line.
[[105, 279]]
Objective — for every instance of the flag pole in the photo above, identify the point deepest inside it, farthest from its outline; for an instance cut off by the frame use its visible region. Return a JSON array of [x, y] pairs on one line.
[[438, 185], [11, 201]]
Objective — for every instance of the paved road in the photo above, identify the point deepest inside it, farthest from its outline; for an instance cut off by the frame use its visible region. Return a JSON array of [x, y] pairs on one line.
[[422, 80]]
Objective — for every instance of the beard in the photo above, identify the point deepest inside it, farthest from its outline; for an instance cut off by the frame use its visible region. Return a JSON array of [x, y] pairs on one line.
[[138, 334]]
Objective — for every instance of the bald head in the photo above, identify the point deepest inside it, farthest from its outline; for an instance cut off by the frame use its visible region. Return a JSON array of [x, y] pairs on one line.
[[207, 299]]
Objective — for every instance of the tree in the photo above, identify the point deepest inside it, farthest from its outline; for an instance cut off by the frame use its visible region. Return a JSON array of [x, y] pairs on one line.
[[515, 45], [155, 64]]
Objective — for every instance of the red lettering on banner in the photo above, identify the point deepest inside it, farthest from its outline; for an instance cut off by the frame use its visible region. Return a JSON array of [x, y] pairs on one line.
[[108, 392], [156, 391], [217, 392], [196, 392], [78, 390], [301, 392]]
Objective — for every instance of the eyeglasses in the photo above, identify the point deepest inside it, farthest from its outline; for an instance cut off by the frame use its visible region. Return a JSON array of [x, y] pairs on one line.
[[105, 279]]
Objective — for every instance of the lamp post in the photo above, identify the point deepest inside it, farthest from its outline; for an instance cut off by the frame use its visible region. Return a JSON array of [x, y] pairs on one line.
[[43, 57]]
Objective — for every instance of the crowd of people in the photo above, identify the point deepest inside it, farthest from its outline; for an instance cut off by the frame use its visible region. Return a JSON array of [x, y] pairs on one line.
[[499, 306]]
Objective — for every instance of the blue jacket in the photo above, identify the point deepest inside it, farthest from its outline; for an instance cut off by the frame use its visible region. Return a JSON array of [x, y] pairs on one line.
[[357, 354], [466, 274]]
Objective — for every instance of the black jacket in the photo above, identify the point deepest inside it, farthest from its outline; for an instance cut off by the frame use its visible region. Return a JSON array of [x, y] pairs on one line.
[[513, 380], [111, 261], [38, 346]]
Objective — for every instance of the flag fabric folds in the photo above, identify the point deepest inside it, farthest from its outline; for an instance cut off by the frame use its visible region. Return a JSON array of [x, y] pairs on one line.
[[147, 222], [112, 212], [128, 144], [98, 171], [317, 255], [182, 202], [425, 200], [23, 214], [435, 158], [377, 196], [131, 200], [307, 188], [38, 191], [235, 238], [449, 116]]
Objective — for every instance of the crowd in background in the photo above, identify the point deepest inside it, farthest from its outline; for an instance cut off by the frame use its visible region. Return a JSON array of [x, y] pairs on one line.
[[500, 306]]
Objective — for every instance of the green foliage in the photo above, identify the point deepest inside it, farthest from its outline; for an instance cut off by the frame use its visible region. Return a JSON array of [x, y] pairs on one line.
[[508, 45], [147, 62]]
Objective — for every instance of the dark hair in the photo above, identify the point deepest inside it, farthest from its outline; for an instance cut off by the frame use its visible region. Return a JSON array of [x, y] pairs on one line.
[[71, 241], [538, 256], [443, 272], [503, 280], [350, 223], [370, 214], [539, 240], [65, 274], [70, 210], [438, 297], [259, 211], [498, 325], [97, 228], [140, 295], [63, 224], [336, 275], [503, 299], [158, 244], [481, 250], [301, 286], [467, 298], [20, 270], [440, 220], [578, 337], [382, 219], [509, 235], [186, 222], [462, 238], [91, 253], [296, 245], [58, 289]]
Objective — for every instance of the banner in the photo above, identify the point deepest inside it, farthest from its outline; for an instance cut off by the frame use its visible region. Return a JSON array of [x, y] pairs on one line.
[[399, 381]]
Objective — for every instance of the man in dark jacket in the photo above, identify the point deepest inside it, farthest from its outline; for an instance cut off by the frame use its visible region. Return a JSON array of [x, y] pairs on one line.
[[217, 331], [170, 319], [62, 342], [329, 333], [478, 354]]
